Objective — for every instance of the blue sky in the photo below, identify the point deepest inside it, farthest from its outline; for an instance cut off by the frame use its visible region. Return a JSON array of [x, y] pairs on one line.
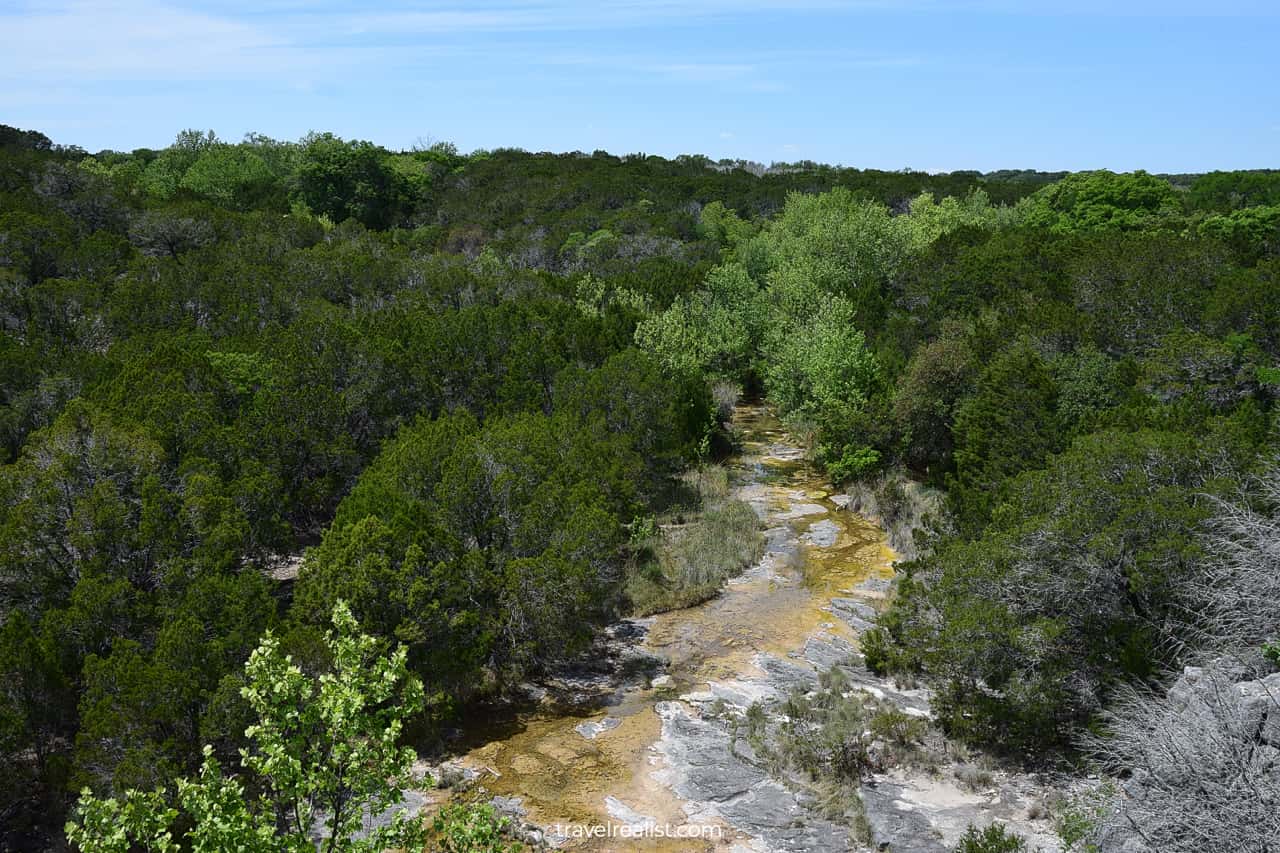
[[926, 84]]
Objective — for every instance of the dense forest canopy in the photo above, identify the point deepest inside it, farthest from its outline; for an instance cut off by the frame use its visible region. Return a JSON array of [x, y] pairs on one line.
[[461, 384]]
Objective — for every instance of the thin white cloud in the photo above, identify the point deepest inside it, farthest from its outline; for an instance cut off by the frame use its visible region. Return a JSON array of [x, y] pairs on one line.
[[703, 71], [137, 39], [573, 15], [450, 21], [1130, 8], [764, 73]]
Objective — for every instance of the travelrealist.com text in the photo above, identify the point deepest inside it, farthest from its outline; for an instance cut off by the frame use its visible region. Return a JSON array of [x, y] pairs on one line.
[[630, 830]]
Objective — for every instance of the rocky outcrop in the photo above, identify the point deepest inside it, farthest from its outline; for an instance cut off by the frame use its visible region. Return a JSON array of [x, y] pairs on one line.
[[1202, 766], [722, 783], [894, 824], [616, 661], [856, 614], [925, 813], [1253, 705]]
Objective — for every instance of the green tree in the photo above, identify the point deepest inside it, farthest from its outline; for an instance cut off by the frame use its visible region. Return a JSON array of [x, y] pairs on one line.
[[1223, 191], [833, 243], [34, 245], [997, 620], [661, 415], [820, 368], [234, 176], [37, 711], [1251, 231], [925, 400], [163, 175], [1008, 425], [723, 226], [1088, 385], [325, 753], [716, 330], [349, 180], [484, 548], [1102, 200], [87, 498], [931, 219], [141, 709]]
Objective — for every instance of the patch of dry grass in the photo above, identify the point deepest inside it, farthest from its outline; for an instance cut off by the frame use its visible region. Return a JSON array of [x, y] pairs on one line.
[[689, 554]]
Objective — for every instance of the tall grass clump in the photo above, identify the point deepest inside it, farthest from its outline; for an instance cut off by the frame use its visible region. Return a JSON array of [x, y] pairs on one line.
[[901, 506], [687, 556]]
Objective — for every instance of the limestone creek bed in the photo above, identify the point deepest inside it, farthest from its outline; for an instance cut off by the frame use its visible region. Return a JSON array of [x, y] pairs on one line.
[[647, 752]]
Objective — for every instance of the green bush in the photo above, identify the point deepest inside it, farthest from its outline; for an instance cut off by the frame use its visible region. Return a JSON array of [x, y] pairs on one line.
[[994, 839], [687, 562], [1272, 652], [850, 463], [897, 727], [877, 650], [472, 829]]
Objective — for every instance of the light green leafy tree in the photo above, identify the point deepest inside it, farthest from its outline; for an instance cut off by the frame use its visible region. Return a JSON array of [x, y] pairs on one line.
[[325, 756], [711, 331], [164, 174], [723, 226], [231, 175], [931, 219], [820, 364], [595, 295], [1103, 201], [1251, 229], [820, 371], [472, 829], [835, 243]]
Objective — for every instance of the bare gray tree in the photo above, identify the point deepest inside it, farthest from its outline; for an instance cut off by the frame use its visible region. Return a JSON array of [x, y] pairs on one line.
[[1199, 768], [1236, 599]]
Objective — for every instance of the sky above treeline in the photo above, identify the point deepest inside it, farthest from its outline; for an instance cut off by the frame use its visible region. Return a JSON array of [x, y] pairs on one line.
[[1173, 86]]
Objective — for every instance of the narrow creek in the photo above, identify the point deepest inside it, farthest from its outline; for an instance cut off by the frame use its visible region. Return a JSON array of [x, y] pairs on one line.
[[651, 754], [815, 551]]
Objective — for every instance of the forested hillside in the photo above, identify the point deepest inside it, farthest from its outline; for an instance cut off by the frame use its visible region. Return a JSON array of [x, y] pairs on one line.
[[460, 388]]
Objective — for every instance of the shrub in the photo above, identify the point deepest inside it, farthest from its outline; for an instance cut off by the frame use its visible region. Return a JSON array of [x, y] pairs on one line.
[[472, 829], [850, 463], [1272, 652], [973, 778], [994, 839], [324, 753], [897, 727], [692, 561], [877, 650]]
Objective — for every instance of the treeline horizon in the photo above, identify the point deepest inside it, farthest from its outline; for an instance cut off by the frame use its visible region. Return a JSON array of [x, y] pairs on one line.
[[34, 139]]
